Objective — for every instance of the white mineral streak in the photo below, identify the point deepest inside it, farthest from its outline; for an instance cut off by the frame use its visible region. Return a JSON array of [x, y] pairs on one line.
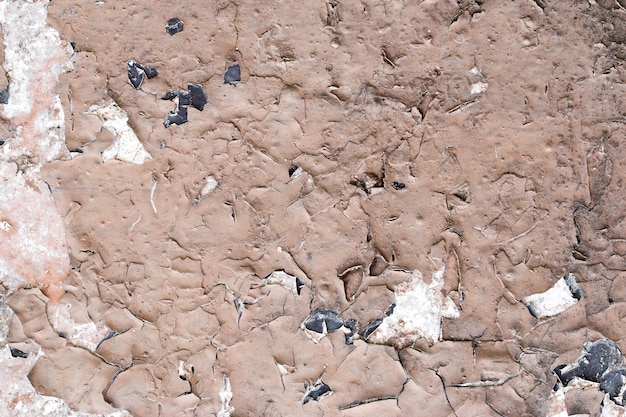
[[226, 396], [127, 147], [418, 312], [551, 302]]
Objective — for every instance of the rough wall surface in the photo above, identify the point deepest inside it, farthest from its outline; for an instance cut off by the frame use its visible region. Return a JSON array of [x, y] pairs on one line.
[[448, 158]]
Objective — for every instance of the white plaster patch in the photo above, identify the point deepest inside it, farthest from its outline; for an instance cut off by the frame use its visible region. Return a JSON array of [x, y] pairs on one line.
[[226, 396], [283, 279], [86, 335], [34, 58], [553, 301], [35, 248], [418, 312], [127, 147]]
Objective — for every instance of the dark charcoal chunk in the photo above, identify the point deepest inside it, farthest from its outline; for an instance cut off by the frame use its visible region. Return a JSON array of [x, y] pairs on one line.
[[198, 96], [232, 75], [1, 142], [170, 95], [351, 325], [566, 373], [317, 392], [320, 317], [4, 96], [299, 285], [371, 327], [398, 185], [613, 382], [389, 310], [577, 293], [16, 353], [177, 117], [150, 72], [184, 98], [596, 359], [135, 74], [601, 356], [174, 25], [292, 169]]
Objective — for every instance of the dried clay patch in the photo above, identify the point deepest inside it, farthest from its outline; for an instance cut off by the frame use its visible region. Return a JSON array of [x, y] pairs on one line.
[[330, 208]]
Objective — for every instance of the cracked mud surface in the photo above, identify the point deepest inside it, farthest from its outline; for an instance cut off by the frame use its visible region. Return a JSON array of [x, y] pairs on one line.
[[365, 141]]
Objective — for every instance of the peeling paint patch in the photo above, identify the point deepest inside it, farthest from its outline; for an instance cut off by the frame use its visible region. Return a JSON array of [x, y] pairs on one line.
[[417, 314], [127, 147], [563, 295]]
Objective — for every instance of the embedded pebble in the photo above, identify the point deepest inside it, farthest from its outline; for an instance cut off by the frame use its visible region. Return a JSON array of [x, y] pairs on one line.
[[233, 75], [174, 25]]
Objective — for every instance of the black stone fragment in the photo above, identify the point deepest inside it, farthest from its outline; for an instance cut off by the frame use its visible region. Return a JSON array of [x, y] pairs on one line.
[[137, 72], [232, 75], [176, 117], [292, 169], [577, 293], [174, 25], [299, 285], [170, 95], [16, 353], [600, 356], [371, 327], [197, 95], [194, 96], [398, 185], [1, 142], [150, 72], [532, 311], [317, 391], [613, 383], [321, 318]]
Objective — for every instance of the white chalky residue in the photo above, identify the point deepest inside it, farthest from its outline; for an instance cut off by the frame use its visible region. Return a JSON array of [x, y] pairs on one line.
[[127, 147], [210, 186], [478, 88], [6, 226], [418, 312], [551, 302], [226, 396]]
